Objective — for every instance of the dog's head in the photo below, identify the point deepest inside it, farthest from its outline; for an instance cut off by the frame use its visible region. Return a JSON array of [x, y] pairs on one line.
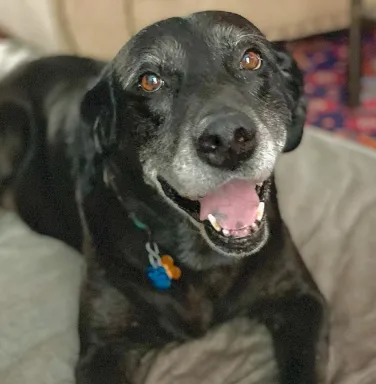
[[206, 104]]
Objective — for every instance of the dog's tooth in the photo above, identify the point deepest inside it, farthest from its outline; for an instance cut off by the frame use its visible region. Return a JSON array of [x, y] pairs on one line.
[[259, 184], [214, 223], [254, 227], [226, 232], [260, 211]]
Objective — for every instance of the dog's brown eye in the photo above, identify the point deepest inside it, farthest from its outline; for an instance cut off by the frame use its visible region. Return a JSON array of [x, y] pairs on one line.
[[150, 82], [251, 61]]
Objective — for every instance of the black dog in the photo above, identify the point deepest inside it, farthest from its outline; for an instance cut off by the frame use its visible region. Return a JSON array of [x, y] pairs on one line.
[[172, 144]]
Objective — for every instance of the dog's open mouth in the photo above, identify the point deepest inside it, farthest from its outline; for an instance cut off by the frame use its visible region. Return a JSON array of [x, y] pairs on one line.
[[232, 213]]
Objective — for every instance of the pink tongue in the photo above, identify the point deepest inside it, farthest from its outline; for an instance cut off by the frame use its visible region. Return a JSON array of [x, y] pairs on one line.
[[234, 205]]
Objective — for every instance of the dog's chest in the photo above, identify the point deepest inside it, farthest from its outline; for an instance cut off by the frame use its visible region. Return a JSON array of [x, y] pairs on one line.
[[201, 302]]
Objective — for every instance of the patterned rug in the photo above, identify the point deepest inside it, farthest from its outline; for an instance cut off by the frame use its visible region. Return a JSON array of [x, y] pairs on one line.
[[324, 62]]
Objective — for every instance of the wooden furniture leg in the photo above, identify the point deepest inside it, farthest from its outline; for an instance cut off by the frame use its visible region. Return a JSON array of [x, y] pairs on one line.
[[355, 53]]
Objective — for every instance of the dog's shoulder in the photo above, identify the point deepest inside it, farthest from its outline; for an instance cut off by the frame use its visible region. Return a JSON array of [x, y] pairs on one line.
[[38, 78]]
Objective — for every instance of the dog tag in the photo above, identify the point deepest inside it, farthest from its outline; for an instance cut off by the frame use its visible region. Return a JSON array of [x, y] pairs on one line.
[[172, 270], [159, 277]]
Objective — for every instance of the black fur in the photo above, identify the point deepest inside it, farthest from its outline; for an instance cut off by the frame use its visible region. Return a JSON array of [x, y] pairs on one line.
[[89, 150]]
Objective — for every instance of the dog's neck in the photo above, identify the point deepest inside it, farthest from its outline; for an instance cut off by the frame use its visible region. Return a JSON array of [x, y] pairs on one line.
[[174, 233]]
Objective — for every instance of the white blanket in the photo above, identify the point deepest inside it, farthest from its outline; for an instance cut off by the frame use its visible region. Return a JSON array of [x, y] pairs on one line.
[[39, 285], [327, 190]]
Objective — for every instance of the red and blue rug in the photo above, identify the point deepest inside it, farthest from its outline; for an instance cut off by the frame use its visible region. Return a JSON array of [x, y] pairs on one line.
[[323, 60]]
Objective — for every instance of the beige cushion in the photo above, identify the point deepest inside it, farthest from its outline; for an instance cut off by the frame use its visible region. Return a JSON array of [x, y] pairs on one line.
[[277, 19], [328, 199], [369, 8], [99, 28], [39, 283], [36, 22]]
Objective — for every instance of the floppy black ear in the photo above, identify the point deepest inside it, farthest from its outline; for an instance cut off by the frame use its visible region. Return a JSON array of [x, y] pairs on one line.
[[295, 89], [17, 126], [98, 113], [97, 131]]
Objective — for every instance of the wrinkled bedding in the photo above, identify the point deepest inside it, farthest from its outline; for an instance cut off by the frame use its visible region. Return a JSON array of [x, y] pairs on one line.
[[327, 191]]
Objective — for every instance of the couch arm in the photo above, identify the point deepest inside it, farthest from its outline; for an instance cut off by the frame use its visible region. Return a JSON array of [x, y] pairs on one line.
[[93, 28], [99, 28]]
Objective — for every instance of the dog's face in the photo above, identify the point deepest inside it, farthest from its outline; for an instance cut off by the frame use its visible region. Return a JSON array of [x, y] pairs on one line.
[[206, 104]]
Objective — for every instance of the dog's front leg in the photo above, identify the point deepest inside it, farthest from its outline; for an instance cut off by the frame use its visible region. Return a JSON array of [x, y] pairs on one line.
[[299, 328], [109, 364]]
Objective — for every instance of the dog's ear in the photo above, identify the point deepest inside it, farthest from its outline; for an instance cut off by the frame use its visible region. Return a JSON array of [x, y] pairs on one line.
[[98, 131], [295, 89], [98, 113], [17, 124]]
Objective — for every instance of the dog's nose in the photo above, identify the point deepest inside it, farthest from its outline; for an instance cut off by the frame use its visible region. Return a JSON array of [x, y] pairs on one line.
[[227, 142]]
